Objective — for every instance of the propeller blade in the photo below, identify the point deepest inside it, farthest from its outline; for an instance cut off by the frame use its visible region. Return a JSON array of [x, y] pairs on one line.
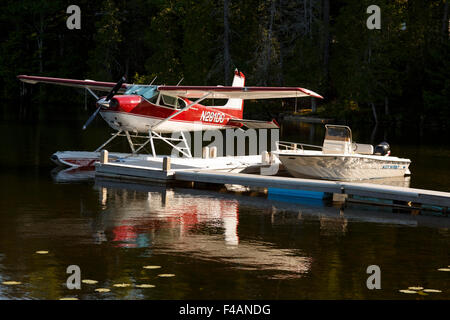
[[91, 118], [103, 101], [115, 89]]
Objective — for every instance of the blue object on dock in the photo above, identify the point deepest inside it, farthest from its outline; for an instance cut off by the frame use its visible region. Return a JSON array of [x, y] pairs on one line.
[[290, 193], [297, 200]]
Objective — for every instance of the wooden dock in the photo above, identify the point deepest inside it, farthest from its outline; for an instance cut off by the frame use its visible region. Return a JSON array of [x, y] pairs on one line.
[[307, 119], [339, 191]]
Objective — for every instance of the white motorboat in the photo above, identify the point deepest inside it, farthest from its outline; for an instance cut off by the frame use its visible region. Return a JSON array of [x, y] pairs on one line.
[[340, 159]]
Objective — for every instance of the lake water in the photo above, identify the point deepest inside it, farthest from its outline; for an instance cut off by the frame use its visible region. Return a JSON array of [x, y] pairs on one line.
[[215, 245]]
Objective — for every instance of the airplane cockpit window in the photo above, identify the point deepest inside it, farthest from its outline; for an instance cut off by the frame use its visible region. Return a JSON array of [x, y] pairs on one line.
[[181, 103], [148, 92], [151, 94], [169, 101]]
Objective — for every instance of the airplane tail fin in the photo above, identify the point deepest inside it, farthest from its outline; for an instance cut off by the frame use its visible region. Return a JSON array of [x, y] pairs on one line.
[[235, 107]]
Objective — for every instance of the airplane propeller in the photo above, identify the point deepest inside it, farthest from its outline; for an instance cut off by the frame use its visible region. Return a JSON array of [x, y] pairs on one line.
[[105, 101]]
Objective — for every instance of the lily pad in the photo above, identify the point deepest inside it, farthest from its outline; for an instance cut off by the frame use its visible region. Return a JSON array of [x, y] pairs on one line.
[[166, 275], [151, 267], [102, 290], [144, 286], [68, 298], [42, 252], [432, 290], [11, 283], [407, 291], [87, 281], [121, 285], [415, 288]]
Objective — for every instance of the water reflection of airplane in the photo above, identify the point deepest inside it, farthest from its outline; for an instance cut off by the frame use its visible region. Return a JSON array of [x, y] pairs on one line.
[[314, 209], [131, 212], [204, 224], [71, 175], [173, 201], [188, 222]]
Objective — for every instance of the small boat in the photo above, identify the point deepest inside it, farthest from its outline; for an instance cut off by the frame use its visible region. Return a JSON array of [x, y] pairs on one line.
[[340, 159]]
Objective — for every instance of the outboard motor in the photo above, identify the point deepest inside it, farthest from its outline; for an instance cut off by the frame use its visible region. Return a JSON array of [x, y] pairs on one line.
[[383, 149]]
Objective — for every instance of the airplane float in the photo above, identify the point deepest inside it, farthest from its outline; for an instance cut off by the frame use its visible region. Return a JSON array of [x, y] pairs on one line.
[[149, 111]]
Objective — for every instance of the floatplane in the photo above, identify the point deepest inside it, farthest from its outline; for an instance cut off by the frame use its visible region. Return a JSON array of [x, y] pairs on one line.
[[144, 113]]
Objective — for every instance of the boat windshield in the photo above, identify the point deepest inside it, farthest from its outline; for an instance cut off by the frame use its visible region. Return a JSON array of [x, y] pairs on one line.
[[148, 92], [341, 133]]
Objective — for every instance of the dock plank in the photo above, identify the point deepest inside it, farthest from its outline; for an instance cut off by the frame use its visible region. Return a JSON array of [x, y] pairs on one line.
[[252, 180], [369, 190]]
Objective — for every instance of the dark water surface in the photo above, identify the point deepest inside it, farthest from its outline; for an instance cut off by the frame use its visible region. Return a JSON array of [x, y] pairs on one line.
[[217, 245]]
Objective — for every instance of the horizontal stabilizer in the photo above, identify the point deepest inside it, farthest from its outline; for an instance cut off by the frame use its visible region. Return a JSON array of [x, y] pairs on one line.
[[255, 124], [91, 84]]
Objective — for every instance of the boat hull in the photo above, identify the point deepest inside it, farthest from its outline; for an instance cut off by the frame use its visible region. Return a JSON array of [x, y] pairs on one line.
[[344, 168]]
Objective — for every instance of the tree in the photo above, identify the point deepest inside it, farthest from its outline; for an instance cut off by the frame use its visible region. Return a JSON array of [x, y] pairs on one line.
[[104, 59]]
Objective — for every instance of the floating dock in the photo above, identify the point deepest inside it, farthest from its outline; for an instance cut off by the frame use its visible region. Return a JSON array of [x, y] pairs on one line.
[[366, 193]]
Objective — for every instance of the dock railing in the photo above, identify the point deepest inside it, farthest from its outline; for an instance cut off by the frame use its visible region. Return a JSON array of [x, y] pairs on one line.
[[293, 146]]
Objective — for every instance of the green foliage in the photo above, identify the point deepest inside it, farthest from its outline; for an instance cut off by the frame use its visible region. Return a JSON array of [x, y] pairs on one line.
[[345, 109], [103, 58], [402, 72], [436, 94]]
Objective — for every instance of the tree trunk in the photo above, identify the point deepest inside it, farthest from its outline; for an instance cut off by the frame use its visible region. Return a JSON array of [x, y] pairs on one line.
[[326, 36], [280, 65], [269, 36], [127, 68], [374, 111], [305, 16], [310, 18], [386, 105], [40, 42], [226, 43], [444, 30]]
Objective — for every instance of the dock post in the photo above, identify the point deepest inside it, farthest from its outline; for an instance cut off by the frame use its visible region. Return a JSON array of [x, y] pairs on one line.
[[265, 158], [205, 153], [213, 152], [340, 198], [166, 164], [104, 156], [271, 158]]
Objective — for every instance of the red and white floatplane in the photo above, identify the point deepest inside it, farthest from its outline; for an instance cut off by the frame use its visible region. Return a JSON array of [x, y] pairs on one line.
[[144, 113]]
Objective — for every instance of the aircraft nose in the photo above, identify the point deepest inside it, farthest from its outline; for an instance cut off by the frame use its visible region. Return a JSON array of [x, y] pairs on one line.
[[113, 103], [125, 103], [103, 103]]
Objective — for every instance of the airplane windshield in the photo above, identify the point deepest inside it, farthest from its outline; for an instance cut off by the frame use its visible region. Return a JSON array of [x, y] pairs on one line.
[[147, 92]]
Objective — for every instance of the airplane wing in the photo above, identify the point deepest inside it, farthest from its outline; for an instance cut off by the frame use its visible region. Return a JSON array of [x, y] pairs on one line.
[[91, 84], [228, 92], [255, 124]]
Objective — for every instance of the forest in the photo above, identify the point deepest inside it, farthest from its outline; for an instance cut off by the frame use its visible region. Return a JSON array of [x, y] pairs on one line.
[[399, 73]]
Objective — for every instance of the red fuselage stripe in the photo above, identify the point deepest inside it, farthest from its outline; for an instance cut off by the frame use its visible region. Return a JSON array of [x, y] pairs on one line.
[[194, 114]]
